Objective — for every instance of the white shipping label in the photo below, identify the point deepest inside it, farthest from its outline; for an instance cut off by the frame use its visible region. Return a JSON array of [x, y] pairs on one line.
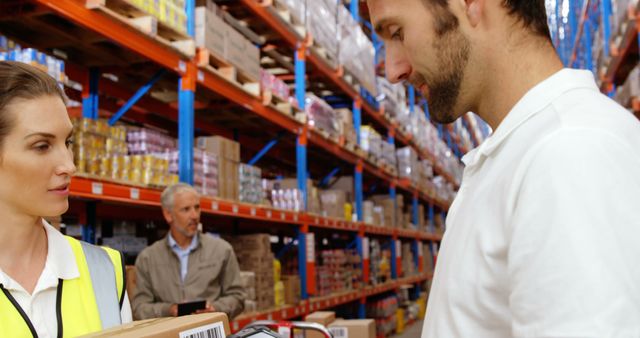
[[96, 188], [215, 330], [365, 248], [311, 248], [420, 248], [398, 249], [339, 332], [134, 193]]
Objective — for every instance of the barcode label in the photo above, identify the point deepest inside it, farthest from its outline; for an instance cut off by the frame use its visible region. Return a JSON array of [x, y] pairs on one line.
[[339, 332], [96, 188], [215, 330], [365, 248], [311, 250], [134, 194]]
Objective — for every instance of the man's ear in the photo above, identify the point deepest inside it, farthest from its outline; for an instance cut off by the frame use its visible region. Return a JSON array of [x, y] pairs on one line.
[[167, 215], [474, 10]]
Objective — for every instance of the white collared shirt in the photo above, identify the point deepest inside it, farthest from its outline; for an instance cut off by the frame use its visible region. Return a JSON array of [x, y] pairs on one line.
[[543, 238], [40, 306], [183, 254]]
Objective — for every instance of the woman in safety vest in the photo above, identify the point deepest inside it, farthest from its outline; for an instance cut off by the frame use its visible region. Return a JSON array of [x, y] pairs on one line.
[[51, 285]]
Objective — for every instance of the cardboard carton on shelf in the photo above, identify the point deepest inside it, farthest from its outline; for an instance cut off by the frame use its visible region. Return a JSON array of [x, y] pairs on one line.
[[210, 30], [205, 325], [220, 146], [291, 289], [333, 202]]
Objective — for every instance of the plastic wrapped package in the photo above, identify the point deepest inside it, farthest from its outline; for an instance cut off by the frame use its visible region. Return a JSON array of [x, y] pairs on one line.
[[320, 115], [297, 8], [273, 84], [407, 163], [371, 141], [322, 22], [250, 184], [356, 52]]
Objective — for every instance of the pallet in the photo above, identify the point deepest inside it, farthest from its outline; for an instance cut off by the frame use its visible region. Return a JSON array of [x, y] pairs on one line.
[[278, 103], [136, 18], [214, 63], [283, 13]]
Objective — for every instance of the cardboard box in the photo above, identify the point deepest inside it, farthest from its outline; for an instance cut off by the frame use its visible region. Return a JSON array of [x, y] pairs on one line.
[[333, 202], [321, 317], [210, 31], [354, 328], [228, 179], [251, 60], [222, 147], [291, 289], [256, 243], [206, 323]]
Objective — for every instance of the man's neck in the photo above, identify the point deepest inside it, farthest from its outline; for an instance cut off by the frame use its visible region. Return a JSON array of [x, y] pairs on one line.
[[512, 72], [180, 239]]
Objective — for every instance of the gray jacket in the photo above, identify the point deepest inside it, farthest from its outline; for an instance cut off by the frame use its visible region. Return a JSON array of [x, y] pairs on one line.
[[213, 274]]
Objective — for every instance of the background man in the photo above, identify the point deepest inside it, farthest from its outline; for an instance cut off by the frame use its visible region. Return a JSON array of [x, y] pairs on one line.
[[186, 265]]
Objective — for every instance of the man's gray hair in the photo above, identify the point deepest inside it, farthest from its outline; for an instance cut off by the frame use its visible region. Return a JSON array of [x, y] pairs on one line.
[[166, 199]]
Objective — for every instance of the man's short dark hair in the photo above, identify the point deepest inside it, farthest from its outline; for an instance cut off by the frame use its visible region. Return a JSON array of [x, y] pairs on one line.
[[531, 13]]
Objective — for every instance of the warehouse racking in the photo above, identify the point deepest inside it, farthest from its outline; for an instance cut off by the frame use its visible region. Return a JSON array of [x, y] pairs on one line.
[[601, 36], [111, 58]]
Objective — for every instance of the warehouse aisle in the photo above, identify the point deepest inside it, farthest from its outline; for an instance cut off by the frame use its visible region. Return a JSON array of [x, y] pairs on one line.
[[413, 331]]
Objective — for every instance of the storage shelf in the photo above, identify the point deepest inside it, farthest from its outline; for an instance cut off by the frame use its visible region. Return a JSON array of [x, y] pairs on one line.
[[621, 51], [322, 303], [93, 188], [267, 14]]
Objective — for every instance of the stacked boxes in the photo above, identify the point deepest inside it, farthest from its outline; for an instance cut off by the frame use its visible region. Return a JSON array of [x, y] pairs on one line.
[[408, 263], [250, 184], [394, 97], [339, 270], [356, 52], [371, 141], [384, 312], [205, 171], [225, 42], [248, 282], [228, 154], [254, 254], [361, 328], [292, 292], [408, 164], [102, 150], [630, 89], [348, 131], [170, 12], [333, 202], [10, 51]]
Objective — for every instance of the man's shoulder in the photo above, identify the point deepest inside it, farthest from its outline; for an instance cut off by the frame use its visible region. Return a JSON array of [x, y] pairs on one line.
[[154, 249], [213, 243]]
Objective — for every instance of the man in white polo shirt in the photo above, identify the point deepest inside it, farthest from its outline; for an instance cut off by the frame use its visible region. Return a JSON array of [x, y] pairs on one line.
[[543, 239]]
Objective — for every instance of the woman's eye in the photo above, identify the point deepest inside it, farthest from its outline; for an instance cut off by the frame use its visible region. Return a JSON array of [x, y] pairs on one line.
[[69, 143], [42, 147]]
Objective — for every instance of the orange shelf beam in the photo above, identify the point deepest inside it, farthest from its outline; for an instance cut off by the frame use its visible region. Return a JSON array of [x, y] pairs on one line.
[[118, 32], [289, 312]]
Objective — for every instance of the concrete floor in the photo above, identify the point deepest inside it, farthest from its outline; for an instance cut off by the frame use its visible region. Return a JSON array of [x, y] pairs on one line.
[[413, 331]]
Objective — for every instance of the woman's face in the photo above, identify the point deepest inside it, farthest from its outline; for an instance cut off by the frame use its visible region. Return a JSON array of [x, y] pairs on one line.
[[36, 160]]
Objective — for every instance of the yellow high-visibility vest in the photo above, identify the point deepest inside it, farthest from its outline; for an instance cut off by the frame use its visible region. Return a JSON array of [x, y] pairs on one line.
[[86, 304]]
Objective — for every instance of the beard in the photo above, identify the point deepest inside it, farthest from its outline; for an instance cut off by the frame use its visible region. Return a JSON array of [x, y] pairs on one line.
[[452, 49]]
